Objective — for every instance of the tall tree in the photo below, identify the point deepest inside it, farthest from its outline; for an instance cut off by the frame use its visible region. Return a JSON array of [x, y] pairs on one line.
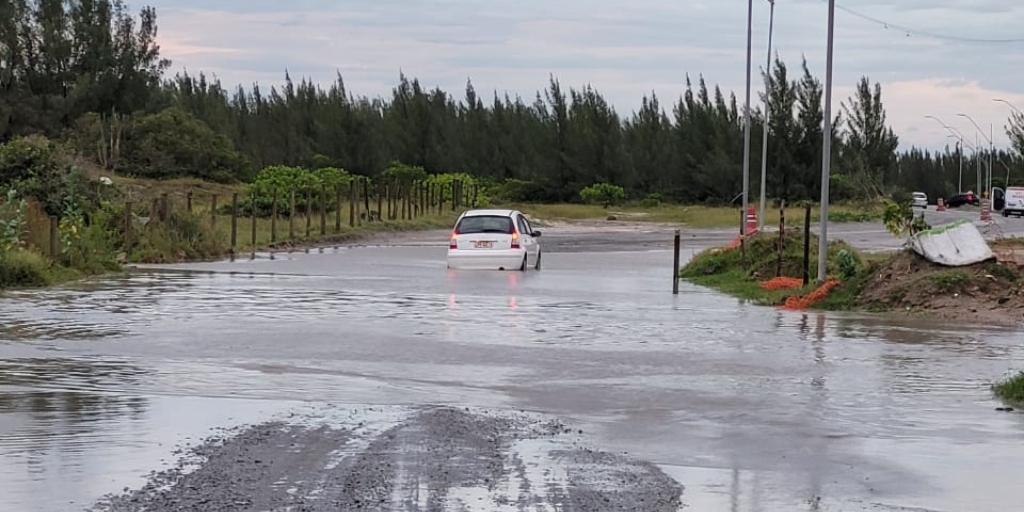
[[871, 144]]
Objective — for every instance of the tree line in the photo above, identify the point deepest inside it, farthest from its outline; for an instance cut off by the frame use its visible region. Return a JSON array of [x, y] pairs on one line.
[[89, 74]]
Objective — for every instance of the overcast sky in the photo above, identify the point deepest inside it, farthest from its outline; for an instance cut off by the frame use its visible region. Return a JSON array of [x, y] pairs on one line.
[[623, 48]]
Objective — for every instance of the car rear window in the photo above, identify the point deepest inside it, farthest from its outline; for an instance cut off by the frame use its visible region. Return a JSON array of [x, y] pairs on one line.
[[484, 224]]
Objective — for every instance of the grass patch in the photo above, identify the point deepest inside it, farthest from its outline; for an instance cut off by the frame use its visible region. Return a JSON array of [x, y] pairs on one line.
[[1010, 390], [950, 281], [26, 268], [725, 271], [694, 216]]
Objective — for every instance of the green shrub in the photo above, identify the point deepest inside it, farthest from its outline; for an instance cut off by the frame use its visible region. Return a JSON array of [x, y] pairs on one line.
[[604, 194], [651, 201], [24, 268]]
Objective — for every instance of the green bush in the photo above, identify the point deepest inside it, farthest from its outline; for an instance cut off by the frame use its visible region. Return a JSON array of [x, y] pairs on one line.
[[24, 268], [259, 197], [651, 201], [604, 194]]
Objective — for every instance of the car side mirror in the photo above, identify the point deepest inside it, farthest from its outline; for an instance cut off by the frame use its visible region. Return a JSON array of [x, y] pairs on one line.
[[537, 233]]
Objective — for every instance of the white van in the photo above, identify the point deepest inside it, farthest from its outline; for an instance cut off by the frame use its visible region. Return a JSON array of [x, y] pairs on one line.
[[1014, 202]]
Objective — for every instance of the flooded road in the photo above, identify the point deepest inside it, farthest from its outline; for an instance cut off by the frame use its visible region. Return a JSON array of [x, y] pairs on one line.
[[575, 386]]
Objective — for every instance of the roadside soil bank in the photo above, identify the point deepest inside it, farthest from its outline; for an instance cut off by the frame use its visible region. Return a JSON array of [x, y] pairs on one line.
[[900, 282], [433, 458], [989, 292]]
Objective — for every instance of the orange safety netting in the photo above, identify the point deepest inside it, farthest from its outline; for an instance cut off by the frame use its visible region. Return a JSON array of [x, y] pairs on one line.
[[781, 283], [812, 298]]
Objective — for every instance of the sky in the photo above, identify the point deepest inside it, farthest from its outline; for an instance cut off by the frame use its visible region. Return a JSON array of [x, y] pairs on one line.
[[936, 58]]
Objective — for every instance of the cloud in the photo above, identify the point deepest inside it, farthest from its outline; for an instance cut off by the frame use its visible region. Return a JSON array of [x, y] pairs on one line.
[[514, 45]]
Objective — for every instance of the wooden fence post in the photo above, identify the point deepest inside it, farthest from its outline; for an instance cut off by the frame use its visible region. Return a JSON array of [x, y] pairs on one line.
[[273, 217], [164, 207], [352, 203], [291, 216], [323, 210], [807, 245], [782, 237], [234, 222], [380, 201], [188, 202], [309, 212], [127, 227], [54, 232], [337, 209], [213, 212], [366, 196], [252, 212]]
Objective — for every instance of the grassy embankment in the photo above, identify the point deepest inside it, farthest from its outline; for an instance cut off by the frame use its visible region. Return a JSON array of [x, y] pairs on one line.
[[740, 275]]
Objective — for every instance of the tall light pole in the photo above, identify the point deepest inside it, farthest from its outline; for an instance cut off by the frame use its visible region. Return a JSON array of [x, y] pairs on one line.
[[746, 119], [955, 133], [1011, 105], [767, 103], [826, 147], [988, 182]]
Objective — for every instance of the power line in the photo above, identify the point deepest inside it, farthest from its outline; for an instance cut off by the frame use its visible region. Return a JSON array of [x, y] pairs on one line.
[[912, 31]]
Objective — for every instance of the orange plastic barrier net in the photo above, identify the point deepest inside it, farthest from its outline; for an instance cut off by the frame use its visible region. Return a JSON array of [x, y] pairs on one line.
[[781, 283], [812, 298]]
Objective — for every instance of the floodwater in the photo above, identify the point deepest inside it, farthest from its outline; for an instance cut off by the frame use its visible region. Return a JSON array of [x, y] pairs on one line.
[[748, 408]]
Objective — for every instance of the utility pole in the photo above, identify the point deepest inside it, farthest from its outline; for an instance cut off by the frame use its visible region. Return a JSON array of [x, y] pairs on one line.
[[826, 147], [746, 120], [767, 103]]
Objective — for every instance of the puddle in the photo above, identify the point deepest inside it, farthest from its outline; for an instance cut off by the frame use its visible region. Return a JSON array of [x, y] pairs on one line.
[[863, 412]]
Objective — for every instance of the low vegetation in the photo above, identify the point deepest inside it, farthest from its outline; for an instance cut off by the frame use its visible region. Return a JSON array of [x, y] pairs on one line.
[[987, 292], [1011, 390], [741, 272]]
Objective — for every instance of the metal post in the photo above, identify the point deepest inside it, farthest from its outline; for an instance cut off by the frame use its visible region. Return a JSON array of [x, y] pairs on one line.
[[746, 117], [826, 150], [675, 265], [767, 103]]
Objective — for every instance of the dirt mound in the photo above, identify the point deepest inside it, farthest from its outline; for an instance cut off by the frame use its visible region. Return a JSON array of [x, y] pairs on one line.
[[987, 292]]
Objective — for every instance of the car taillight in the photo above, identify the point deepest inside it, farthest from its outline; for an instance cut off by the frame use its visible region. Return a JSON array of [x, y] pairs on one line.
[[453, 242], [515, 239]]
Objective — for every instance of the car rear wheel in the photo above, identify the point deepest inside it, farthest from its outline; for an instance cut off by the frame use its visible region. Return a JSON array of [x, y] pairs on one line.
[[522, 268]]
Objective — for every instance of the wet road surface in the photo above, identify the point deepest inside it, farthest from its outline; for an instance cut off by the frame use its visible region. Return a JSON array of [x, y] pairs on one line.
[[372, 373]]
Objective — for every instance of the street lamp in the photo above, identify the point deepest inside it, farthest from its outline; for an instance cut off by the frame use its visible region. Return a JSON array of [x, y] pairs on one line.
[[1011, 105], [767, 102], [960, 150], [988, 184], [826, 146], [746, 120]]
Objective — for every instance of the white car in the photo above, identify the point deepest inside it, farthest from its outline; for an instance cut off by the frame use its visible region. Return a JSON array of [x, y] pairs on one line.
[[494, 240], [920, 200]]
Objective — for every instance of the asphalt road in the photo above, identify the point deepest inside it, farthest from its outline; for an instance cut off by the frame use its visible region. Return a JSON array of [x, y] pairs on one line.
[[371, 378]]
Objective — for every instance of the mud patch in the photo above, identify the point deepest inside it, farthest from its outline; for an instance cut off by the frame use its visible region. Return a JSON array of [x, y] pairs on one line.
[[989, 292], [436, 459]]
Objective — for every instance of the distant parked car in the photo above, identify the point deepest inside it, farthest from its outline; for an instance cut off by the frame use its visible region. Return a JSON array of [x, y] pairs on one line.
[[920, 200], [1014, 204], [494, 240], [962, 199]]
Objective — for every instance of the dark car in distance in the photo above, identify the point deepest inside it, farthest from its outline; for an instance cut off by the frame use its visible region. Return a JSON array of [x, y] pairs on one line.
[[962, 199]]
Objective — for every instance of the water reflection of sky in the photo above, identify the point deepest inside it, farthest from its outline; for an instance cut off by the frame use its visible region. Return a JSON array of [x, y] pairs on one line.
[[699, 382]]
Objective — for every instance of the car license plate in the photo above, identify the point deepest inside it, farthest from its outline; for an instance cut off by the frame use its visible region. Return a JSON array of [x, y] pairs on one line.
[[485, 244]]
